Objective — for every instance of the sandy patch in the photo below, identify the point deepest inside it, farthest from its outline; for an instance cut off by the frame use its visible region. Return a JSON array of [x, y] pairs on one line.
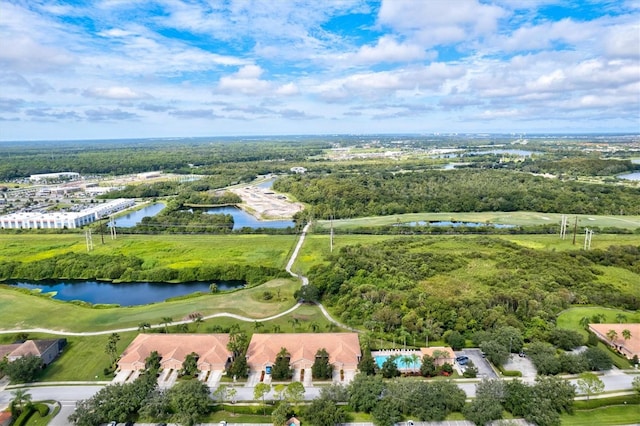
[[267, 204]]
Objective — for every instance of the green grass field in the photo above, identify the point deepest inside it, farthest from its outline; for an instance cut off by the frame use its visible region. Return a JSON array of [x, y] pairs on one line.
[[21, 310], [85, 358], [504, 218], [172, 251], [570, 319], [26, 311], [614, 415]]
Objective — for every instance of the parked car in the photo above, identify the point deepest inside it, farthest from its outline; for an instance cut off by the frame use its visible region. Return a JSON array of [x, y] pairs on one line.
[[462, 359]]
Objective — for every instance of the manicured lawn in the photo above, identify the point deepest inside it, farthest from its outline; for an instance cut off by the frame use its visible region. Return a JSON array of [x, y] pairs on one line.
[[570, 318], [21, 310], [230, 417], [36, 420], [614, 415]]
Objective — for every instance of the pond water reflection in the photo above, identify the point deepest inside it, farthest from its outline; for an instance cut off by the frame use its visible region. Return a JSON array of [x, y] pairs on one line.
[[242, 219], [133, 218], [124, 294]]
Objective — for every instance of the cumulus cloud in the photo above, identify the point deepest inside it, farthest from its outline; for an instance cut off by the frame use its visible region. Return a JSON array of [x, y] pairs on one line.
[[380, 84], [438, 21], [246, 81], [387, 49], [288, 89], [115, 93]]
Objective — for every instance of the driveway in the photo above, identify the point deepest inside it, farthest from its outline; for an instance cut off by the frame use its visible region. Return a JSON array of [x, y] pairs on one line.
[[483, 366]]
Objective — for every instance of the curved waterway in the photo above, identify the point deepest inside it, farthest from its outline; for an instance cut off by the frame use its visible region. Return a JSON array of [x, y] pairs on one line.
[[124, 294]]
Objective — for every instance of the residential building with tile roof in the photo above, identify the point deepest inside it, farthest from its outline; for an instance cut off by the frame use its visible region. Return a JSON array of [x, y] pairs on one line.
[[343, 349], [173, 349], [627, 347]]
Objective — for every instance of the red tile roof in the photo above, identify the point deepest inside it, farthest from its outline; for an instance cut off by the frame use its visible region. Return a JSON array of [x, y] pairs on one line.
[[629, 347], [174, 348], [343, 348]]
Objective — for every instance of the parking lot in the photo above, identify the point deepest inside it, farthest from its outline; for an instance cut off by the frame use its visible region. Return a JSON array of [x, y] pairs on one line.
[[483, 366], [521, 364]]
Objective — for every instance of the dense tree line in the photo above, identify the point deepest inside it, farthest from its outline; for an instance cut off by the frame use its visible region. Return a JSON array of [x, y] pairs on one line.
[[590, 166], [202, 156], [130, 269], [345, 195], [393, 286]]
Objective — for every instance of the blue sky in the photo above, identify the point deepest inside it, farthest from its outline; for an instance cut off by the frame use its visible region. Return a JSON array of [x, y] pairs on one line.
[[169, 68]]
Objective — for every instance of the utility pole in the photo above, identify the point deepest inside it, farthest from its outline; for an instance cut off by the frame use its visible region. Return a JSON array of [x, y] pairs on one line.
[[575, 230], [331, 236], [587, 239], [89, 239], [112, 228], [563, 226]]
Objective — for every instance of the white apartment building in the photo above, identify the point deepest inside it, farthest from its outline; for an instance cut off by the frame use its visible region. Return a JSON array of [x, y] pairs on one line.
[[61, 220]]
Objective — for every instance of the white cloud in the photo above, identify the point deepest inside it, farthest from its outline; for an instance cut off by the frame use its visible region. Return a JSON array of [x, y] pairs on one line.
[[623, 41], [246, 81], [440, 21], [115, 93], [387, 49], [380, 84], [288, 89]]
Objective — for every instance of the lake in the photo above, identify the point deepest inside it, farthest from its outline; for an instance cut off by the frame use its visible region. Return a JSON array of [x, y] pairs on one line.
[[133, 218], [630, 176], [242, 219], [124, 294]]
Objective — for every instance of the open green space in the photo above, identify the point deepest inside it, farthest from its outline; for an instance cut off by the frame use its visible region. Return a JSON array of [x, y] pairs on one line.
[[23, 311], [171, 251], [504, 218], [317, 247], [570, 319], [614, 415], [85, 358]]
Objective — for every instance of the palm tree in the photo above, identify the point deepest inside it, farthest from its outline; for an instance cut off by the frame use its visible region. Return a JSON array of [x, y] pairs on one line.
[[143, 325], [415, 359], [406, 360], [314, 326], [626, 334], [257, 325], [612, 335], [621, 318], [166, 321], [294, 323], [331, 326], [584, 322], [21, 400], [183, 328], [197, 321]]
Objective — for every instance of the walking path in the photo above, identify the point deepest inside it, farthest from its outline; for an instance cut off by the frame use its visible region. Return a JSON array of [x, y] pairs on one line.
[[294, 255]]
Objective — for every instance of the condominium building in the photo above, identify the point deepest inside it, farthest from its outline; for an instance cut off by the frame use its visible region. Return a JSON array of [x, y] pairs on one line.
[[62, 220]]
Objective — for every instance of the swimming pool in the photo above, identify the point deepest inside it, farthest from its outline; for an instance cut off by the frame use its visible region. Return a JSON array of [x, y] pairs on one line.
[[399, 361]]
